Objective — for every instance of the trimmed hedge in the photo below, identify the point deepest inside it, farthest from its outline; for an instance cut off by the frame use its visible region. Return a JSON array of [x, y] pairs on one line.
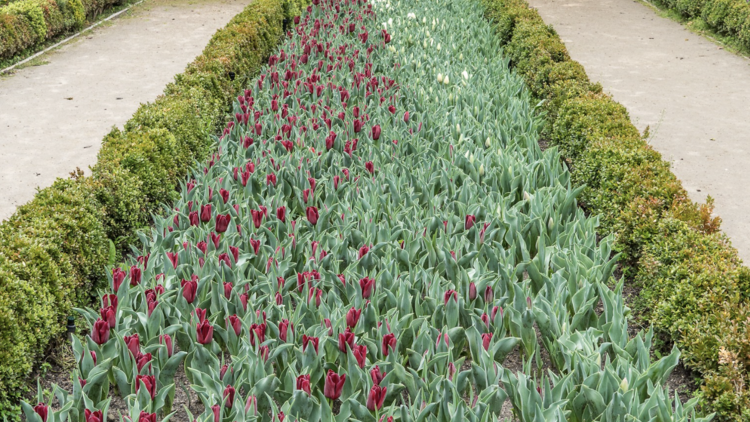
[[53, 249], [726, 17], [25, 24], [694, 287]]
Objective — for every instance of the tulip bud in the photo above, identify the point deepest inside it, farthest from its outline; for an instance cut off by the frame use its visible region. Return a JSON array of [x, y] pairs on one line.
[[389, 342], [204, 332], [228, 396], [376, 398], [489, 295], [42, 410], [303, 383], [334, 385], [352, 317], [472, 291], [100, 332]]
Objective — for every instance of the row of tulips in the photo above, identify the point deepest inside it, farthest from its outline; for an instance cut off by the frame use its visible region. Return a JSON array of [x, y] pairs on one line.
[[376, 233]]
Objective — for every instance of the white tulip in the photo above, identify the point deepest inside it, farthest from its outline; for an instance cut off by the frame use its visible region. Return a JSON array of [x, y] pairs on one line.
[[445, 80], [487, 142], [465, 75], [440, 78], [438, 47], [481, 170]]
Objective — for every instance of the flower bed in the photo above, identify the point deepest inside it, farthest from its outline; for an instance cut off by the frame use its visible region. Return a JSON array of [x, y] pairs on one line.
[[377, 231], [53, 250], [695, 290]]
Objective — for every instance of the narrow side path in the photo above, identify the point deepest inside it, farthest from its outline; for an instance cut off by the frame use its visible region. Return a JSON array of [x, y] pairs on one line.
[[694, 96], [53, 117]]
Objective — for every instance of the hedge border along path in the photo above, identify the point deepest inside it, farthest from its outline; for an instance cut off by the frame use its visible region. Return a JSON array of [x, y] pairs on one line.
[[53, 250], [694, 287], [377, 214], [27, 24]]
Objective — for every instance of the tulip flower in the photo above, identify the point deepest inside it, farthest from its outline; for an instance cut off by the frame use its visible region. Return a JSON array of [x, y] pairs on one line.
[[142, 360], [146, 417], [360, 353], [108, 314], [235, 323], [228, 396], [271, 179], [486, 320], [283, 329], [303, 383], [42, 410], [135, 276], [206, 213], [281, 214], [109, 300], [200, 314], [310, 340], [255, 245], [100, 332], [224, 257], [367, 285], [406, 117], [147, 381], [472, 291], [257, 218], [166, 340], [279, 299], [347, 337], [96, 416], [222, 222], [342, 278], [376, 375], [204, 332], [451, 370], [312, 215], [370, 167], [352, 317], [334, 385], [118, 275], [376, 398], [450, 294], [486, 338], [251, 403], [228, 286], [469, 222], [194, 218], [389, 342], [189, 290], [488, 295], [133, 343], [336, 181], [216, 410], [376, 132]]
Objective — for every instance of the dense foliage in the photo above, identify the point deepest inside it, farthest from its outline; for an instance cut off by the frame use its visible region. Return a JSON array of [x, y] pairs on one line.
[[375, 234], [694, 287], [54, 249]]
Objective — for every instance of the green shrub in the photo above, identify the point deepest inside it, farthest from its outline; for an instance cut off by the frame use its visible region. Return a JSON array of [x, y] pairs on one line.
[[695, 288]]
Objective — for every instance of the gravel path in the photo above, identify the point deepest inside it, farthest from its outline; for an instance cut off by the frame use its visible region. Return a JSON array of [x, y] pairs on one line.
[[54, 116], [694, 95]]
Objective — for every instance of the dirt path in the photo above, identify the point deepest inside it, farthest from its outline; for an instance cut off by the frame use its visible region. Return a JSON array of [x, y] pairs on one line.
[[694, 95], [54, 116]]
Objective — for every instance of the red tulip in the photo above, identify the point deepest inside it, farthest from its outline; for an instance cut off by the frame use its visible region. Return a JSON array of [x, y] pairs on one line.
[[135, 276], [336, 181], [142, 360], [100, 332], [189, 290], [310, 340], [259, 331], [257, 218], [469, 222], [42, 409], [204, 332], [303, 383], [450, 294], [486, 338], [357, 125], [488, 294], [451, 370], [235, 323], [342, 278], [251, 403], [133, 343], [281, 214], [376, 398], [228, 396], [147, 417], [376, 132], [200, 314], [90, 416], [194, 218], [166, 340], [109, 300], [108, 314], [312, 215], [224, 257], [271, 179], [376, 375], [472, 291], [352, 317], [206, 213], [224, 195], [149, 382], [118, 275], [228, 289], [360, 353], [256, 245], [370, 167], [389, 342], [327, 323], [363, 251], [486, 320], [222, 222], [367, 285], [406, 117], [334, 385], [283, 329], [347, 337]]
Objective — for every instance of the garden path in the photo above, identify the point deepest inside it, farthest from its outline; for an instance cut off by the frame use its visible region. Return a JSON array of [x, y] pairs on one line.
[[694, 95], [53, 116]]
